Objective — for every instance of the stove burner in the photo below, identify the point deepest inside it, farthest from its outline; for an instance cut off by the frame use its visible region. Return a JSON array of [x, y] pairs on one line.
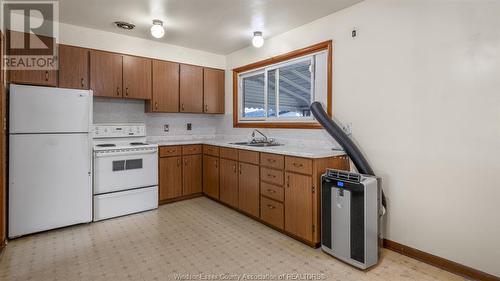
[[106, 145], [138, 143]]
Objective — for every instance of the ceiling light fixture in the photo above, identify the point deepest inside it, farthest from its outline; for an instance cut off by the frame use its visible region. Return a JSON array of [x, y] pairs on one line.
[[157, 29], [124, 25], [257, 40]]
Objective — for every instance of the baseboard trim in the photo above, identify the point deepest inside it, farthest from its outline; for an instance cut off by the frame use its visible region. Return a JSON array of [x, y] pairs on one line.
[[436, 261]]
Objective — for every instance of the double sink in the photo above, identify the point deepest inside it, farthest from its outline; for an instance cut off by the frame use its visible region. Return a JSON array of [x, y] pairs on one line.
[[258, 144]]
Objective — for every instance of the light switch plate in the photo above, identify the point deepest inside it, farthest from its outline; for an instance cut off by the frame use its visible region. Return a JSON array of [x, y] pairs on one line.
[[166, 128]]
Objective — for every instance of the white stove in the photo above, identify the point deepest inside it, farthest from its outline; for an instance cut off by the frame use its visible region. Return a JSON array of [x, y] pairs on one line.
[[125, 170]]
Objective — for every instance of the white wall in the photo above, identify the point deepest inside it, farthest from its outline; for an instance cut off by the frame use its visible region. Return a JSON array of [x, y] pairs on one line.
[[121, 111], [420, 85]]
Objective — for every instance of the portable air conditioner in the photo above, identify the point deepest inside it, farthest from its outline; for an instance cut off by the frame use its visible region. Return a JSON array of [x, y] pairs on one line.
[[350, 208]]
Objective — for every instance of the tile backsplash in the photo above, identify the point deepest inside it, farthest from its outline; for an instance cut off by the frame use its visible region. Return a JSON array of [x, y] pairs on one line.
[[108, 110]]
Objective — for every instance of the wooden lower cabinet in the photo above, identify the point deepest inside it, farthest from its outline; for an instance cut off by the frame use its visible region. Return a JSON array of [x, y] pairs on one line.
[[179, 175], [192, 174], [248, 191], [211, 176], [170, 171], [298, 205], [229, 182], [271, 211]]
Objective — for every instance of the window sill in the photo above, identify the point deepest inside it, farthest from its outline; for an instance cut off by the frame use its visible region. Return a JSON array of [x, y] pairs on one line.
[[278, 125]]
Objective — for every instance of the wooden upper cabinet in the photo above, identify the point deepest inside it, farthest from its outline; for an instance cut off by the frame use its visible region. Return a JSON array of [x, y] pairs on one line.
[[211, 176], [165, 87], [34, 77], [229, 182], [248, 191], [73, 67], [106, 74], [170, 171], [213, 90], [192, 174], [136, 78], [298, 205], [191, 88], [30, 77]]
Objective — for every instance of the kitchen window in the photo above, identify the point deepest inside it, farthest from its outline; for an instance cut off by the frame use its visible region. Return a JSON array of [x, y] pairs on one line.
[[278, 92]]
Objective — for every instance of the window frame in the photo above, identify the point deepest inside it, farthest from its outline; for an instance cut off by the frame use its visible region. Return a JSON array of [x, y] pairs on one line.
[[273, 63]]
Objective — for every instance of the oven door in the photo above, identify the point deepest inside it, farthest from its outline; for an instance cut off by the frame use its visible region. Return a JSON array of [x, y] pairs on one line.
[[123, 170]]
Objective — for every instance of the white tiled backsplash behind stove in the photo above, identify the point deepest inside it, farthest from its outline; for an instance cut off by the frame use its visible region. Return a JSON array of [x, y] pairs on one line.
[[107, 110]]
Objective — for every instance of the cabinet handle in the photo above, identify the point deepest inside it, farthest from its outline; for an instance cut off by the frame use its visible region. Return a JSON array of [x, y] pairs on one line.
[[206, 107], [271, 176], [297, 164], [178, 162], [240, 169], [81, 81], [182, 107], [126, 91], [216, 164], [288, 181], [46, 75], [271, 206], [271, 191], [156, 105], [117, 91], [271, 160], [234, 168], [185, 162]]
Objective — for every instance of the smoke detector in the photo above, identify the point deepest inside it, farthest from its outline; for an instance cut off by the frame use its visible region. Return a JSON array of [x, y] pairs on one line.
[[124, 25]]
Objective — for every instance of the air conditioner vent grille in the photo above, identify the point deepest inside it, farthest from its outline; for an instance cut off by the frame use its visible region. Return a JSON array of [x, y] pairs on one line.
[[343, 175]]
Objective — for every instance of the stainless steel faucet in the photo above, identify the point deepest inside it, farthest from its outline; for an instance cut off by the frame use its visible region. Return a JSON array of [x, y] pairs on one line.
[[253, 134]]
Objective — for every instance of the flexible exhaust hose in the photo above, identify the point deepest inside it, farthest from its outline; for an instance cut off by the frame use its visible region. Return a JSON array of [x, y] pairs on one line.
[[344, 140]]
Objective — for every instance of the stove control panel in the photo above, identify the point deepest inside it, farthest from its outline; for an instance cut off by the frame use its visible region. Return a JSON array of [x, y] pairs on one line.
[[119, 130]]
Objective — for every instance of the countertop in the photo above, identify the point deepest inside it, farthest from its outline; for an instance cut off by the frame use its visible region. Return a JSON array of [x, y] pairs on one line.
[[286, 149]]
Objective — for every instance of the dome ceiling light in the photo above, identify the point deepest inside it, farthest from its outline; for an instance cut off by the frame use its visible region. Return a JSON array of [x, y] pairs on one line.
[[258, 39], [157, 30]]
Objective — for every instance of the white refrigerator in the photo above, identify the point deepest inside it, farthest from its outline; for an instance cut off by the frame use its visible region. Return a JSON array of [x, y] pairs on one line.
[[50, 172]]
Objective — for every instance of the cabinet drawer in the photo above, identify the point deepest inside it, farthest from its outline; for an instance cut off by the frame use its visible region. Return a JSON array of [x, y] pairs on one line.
[[229, 153], [271, 176], [211, 150], [191, 149], [247, 156], [272, 160], [272, 191], [166, 151], [298, 165], [271, 212]]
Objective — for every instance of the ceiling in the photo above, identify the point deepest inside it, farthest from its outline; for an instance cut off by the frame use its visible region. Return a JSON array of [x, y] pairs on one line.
[[218, 26]]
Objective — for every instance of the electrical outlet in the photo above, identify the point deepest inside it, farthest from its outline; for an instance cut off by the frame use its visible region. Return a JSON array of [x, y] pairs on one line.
[[347, 128], [189, 126], [166, 129], [354, 33]]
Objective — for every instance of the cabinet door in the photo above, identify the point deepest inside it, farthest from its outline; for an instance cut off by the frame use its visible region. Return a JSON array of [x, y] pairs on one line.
[[106, 74], [165, 87], [136, 78], [33, 77], [213, 90], [73, 67], [248, 189], [30, 77], [298, 205], [191, 88], [170, 177], [211, 176], [191, 174], [229, 182]]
